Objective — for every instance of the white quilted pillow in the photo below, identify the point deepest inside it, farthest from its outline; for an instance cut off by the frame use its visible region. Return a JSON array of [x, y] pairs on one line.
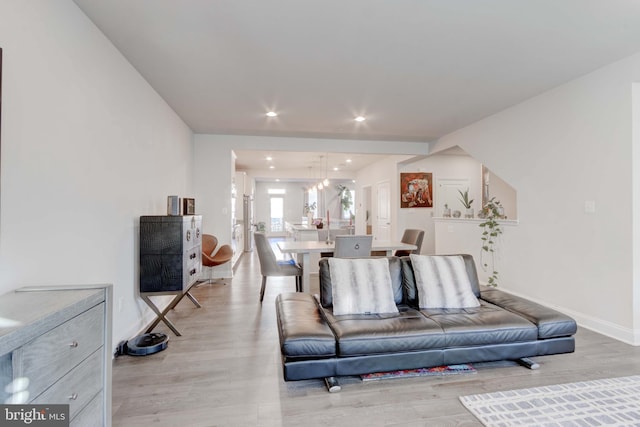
[[442, 282], [361, 286]]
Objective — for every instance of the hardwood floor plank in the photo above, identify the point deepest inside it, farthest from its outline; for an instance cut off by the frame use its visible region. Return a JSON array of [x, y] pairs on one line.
[[225, 371]]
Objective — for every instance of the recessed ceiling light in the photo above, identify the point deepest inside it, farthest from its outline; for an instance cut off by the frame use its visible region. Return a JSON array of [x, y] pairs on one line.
[[272, 167], [269, 158], [360, 119], [272, 114], [348, 160], [335, 168]]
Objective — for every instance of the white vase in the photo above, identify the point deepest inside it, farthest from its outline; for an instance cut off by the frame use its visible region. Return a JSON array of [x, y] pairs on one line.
[[468, 213]]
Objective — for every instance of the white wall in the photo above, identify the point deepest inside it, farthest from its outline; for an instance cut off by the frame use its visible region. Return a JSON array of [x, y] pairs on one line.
[[213, 171], [379, 172], [87, 147], [635, 152], [504, 193], [559, 150], [463, 236]]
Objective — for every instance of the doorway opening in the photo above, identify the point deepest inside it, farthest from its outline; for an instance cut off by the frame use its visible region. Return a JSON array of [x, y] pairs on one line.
[[276, 214]]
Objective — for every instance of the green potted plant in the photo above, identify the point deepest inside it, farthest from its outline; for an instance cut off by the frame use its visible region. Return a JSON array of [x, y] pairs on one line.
[[309, 211], [309, 208], [491, 230], [346, 199], [464, 199]]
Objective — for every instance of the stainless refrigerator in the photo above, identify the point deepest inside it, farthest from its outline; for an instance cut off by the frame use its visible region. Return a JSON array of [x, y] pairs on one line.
[[247, 221]]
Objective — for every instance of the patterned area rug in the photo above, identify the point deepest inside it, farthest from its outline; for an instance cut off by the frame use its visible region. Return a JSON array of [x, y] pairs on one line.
[[421, 372], [608, 402]]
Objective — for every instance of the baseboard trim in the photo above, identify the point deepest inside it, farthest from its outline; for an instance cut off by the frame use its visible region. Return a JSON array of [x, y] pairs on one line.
[[609, 329]]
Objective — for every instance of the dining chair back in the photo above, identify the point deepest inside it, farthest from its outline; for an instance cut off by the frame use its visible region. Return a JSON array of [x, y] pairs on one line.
[[414, 237], [270, 266]]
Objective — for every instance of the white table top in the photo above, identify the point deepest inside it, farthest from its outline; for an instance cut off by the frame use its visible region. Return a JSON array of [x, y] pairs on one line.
[[297, 247]]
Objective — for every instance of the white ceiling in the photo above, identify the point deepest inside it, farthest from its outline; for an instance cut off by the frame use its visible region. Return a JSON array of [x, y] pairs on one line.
[[417, 69], [316, 164]]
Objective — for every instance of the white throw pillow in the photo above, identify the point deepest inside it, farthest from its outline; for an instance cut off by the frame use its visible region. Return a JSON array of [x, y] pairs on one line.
[[442, 282], [361, 286]]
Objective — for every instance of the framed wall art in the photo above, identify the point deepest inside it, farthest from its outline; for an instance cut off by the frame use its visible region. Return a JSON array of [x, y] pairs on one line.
[[188, 206], [416, 190]]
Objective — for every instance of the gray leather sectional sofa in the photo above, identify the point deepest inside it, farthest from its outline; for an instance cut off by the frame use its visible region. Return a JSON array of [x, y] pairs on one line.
[[316, 344]]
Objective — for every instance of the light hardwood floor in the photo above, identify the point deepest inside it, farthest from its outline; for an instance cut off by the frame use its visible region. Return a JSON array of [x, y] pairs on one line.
[[225, 371]]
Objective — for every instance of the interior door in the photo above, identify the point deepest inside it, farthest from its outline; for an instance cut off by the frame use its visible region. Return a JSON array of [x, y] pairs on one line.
[[366, 206], [383, 219], [276, 213]]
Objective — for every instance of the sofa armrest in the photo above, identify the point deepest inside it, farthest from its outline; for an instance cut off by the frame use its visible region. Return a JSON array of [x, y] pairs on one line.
[[303, 332], [550, 323]]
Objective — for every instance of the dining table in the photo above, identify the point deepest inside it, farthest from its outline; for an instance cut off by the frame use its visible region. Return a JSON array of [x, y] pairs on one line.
[[303, 250]]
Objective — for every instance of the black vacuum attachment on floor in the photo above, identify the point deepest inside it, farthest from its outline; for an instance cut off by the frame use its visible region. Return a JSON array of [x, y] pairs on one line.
[[143, 345]]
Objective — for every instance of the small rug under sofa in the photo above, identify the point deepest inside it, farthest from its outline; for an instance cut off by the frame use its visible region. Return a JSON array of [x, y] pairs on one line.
[[421, 372]]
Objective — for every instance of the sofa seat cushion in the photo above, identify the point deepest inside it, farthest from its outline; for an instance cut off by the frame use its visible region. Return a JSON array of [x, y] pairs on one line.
[[369, 334], [304, 334], [484, 325], [551, 323]]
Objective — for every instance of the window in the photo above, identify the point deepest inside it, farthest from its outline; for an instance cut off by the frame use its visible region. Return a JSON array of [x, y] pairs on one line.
[[312, 196], [346, 214], [276, 214]]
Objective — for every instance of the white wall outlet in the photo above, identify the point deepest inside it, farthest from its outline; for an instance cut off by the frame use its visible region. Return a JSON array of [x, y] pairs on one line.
[[590, 206]]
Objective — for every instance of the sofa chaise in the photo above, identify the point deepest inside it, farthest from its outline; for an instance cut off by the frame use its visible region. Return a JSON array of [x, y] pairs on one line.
[[316, 343]]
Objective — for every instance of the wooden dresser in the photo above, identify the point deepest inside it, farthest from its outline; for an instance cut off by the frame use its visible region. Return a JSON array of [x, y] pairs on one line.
[[59, 338]]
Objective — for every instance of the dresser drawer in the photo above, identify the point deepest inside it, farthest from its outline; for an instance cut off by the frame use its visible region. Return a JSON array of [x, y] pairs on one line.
[[192, 256], [50, 356], [91, 415], [192, 265], [78, 387]]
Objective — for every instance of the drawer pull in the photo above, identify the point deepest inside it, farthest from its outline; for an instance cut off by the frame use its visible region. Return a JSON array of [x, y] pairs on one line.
[[74, 396], [192, 256], [73, 344], [192, 272]]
